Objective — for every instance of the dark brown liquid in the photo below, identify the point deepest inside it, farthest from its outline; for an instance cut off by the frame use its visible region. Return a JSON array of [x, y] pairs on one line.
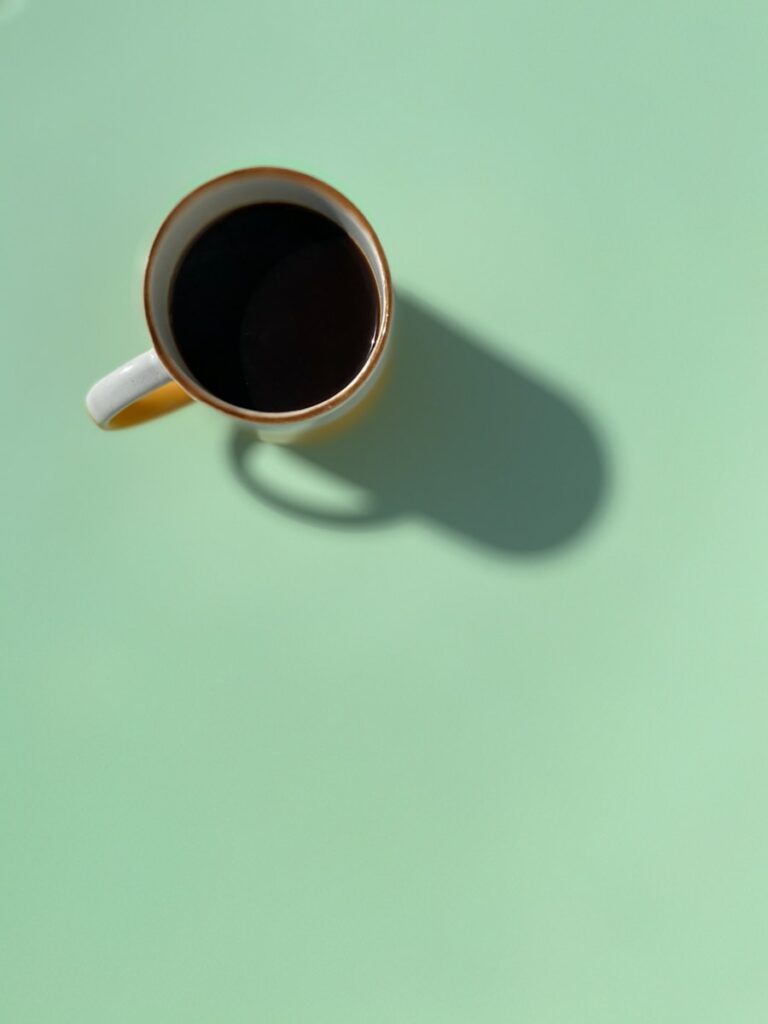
[[274, 308]]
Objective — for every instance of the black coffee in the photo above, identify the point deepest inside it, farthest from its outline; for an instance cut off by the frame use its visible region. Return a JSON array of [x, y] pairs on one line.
[[274, 307]]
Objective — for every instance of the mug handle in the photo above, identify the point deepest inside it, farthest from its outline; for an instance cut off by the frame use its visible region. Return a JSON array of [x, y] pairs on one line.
[[124, 386]]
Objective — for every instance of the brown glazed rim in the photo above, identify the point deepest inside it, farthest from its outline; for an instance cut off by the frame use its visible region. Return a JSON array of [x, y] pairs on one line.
[[190, 385]]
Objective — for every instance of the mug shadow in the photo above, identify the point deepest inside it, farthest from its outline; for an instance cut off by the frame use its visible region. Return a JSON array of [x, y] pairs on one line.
[[460, 437]]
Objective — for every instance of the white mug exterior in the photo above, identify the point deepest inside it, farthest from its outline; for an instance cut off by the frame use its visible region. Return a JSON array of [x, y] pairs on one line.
[[142, 375]]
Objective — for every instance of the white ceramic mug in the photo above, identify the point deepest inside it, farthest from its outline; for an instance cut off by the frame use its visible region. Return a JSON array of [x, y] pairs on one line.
[[163, 363]]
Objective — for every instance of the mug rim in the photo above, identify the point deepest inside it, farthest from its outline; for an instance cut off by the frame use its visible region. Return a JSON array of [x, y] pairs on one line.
[[190, 385]]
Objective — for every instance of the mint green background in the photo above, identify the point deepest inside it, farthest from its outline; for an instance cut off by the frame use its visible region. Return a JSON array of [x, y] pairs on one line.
[[254, 768]]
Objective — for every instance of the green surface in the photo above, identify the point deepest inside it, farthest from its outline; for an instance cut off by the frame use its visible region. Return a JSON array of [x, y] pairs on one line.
[[497, 752]]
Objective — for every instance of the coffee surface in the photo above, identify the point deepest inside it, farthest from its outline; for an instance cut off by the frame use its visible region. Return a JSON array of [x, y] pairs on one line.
[[274, 308]]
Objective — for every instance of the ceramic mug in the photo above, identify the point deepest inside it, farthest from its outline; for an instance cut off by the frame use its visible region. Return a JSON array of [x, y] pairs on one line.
[[163, 364]]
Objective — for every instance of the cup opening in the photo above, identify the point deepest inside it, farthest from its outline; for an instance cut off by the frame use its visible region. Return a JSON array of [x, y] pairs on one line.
[[210, 202]]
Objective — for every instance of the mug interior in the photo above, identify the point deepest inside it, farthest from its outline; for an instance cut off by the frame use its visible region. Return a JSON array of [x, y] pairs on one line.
[[215, 199]]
